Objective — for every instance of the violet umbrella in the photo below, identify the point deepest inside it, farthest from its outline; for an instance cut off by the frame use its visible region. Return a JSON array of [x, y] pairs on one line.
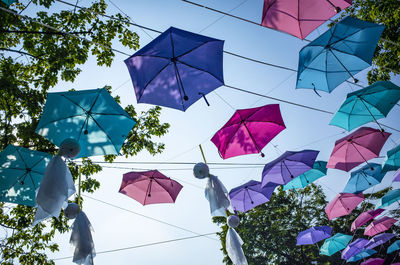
[[248, 131], [379, 225], [365, 253], [313, 235], [343, 204], [364, 217], [356, 148], [354, 248], [396, 176], [379, 240], [149, 187], [288, 166], [374, 261]]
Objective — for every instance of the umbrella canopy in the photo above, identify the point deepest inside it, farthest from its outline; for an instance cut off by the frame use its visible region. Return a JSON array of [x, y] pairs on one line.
[[313, 235], [343, 204], [396, 176], [390, 197], [334, 244], [91, 117], [21, 171], [288, 166], [364, 178], [393, 247], [318, 171], [248, 131], [368, 104], [338, 54], [354, 248], [176, 69], [250, 195], [379, 225], [364, 217], [356, 148], [149, 187], [300, 18], [392, 160], [8, 2], [362, 255], [379, 240], [376, 261]]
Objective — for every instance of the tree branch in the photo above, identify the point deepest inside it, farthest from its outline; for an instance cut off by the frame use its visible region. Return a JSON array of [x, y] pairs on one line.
[[21, 52], [44, 32]]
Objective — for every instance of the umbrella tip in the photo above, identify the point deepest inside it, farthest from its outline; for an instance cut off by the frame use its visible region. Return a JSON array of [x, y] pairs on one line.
[[355, 80], [337, 9], [149, 195], [252, 202], [22, 182], [262, 155], [85, 132], [186, 98]]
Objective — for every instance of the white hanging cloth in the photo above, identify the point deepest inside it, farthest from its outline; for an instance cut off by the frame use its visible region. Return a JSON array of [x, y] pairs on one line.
[[217, 196], [81, 239], [234, 247]]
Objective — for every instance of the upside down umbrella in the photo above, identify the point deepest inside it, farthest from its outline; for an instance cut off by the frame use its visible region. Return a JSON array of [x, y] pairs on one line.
[[313, 235], [356, 148], [21, 171], [248, 131], [334, 244], [318, 171], [379, 240], [376, 261], [338, 54], [379, 225], [176, 69], [364, 178], [354, 248], [362, 255], [392, 160], [393, 247], [364, 217], [390, 197], [343, 204]]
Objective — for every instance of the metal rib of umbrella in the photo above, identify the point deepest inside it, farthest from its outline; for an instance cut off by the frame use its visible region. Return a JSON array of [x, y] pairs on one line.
[[364, 178], [318, 171], [390, 197], [334, 244], [379, 225], [364, 218], [393, 160]]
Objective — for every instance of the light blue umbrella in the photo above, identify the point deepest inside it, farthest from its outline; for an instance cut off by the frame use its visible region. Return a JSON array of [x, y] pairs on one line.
[[21, 171], [338, 54], [393, 247], [362, 255], [334, 244], [364, 178], [392, 160], [319, 170], [390, 197]]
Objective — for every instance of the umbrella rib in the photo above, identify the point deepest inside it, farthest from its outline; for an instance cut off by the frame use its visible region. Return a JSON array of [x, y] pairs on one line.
[[233, 135], [189, 51], [109, 138], [23, 160], [180, 85], [200, 70], [340, 63], [72, 116], [365, 105], [248, 193], [159, 183], [153, 56], [33, 183], [151, 80], [333, 48], [251, 137]]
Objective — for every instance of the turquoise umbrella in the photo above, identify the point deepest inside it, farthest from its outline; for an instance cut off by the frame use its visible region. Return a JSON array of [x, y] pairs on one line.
[[368, 104], [319, 170], [364, 178], [8, 2], [393, 247], [362, 255], [392, 160], [389, 198], [21, 171], [334, 244]]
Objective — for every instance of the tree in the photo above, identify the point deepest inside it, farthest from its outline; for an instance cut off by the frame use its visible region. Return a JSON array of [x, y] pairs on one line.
[[36, 54]]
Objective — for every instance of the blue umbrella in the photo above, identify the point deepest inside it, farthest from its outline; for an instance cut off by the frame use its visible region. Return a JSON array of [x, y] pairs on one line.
[[392, 160], [91, 117], [338, 54], [364, 178], [393, 247], [379, 240], [334, 244], [176, 69], [318, 171], [362, 255], [21, 171], [313, 235]]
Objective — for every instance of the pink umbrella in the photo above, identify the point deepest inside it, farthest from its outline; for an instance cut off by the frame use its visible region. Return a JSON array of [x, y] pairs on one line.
[[364, 217], [248, 131], [356, 148], [150, 187], [379, 225], [343, 204], [300, 17], [375, 261]]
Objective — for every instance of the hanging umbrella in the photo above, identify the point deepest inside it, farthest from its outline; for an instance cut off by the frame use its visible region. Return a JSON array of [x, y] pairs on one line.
[[8, 2], [396, 176], [368, 104], [343, 204], [390, 197], [362, 255], [364, 178], [393, 160], [288, 166], [91, 117], [149, 187], [356, 148], [354, 248], [376, 261], [248, 131], [318, 171], [176, 69], [379, 225], [334, 244], [250, 195], [393, 247], [338, 54], [21, 171], [300, 18], [364, 217], [379, 240], [313, 235]]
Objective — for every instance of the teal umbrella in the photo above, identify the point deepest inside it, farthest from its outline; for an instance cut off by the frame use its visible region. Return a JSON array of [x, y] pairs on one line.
[[393, 247], [334, 244], [21, 171], [389, 198], [392, 160], [364, 178], [8, 2], [368, 104], [319, 170], [363, 254]]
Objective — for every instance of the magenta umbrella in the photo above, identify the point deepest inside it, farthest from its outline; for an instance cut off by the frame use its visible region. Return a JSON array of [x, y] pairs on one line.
[[375, 261], [356, 148], [364, 217], [149, 187], [248, 131], [343, 204], [379, 225]]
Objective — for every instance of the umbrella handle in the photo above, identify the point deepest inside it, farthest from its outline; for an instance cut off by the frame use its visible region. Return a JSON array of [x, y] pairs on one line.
[[204, 96]]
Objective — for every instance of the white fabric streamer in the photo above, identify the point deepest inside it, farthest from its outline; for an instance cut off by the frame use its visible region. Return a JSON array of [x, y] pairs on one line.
[[217, 196], [81, 239], [56, 187], [234, 247]]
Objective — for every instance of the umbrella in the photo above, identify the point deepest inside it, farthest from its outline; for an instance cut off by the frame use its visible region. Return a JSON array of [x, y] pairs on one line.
[[334, 244], [250, 195], [379, 225], [364, 217], [368, 104], [176, 69], [390, 197], [91, 117], [353, 248], [288, 166], [379, 240], [300, 18], [393, 247], [358, 147], [318, 171], [396, 177], [376, 261], [362, 255], [343, 204], [364, 178], [313, 235], [338, 54], [248, 131], [21, 171], [393, 160], [8, 2], [149, 187]]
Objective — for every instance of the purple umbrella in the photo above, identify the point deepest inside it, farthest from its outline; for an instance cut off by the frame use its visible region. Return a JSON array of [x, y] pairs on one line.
[[288, 166], [313, 235], [379, 240], [364, 217], [375, 261], [250, 195], [396, 177], [353, 248]]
